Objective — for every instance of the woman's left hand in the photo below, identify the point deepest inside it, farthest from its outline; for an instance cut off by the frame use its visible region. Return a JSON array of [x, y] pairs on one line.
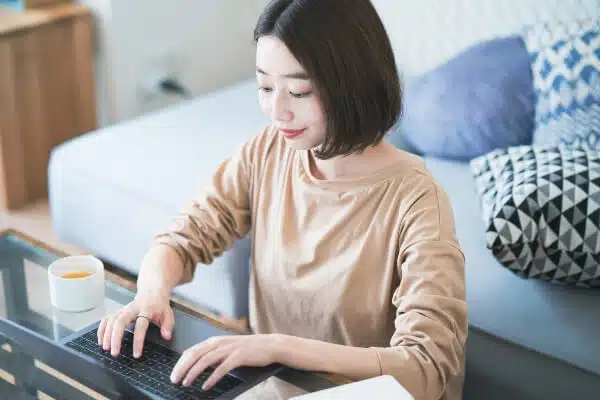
[[225, 353]]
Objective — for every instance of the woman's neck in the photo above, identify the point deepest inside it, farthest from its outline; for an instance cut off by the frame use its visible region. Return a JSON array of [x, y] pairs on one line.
[[357, 165]]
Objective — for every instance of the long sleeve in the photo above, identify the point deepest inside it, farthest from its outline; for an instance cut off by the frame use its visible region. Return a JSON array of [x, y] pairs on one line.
[[209, 224], [426, 352]]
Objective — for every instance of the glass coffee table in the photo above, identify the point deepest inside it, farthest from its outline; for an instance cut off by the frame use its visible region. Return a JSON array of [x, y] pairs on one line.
[[25, 300]]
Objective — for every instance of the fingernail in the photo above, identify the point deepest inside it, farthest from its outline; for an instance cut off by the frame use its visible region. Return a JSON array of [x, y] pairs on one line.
[[186, 382], [136, 354], [205, 387]]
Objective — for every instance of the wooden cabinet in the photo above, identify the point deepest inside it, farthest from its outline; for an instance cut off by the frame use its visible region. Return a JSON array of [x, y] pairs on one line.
[[47, 93]]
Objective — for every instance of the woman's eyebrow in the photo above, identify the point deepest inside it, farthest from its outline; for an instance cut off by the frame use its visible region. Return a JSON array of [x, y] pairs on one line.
[[295, 75]]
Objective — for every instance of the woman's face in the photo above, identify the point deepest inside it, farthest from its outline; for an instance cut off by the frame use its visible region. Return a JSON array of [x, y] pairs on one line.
[[287, 96]]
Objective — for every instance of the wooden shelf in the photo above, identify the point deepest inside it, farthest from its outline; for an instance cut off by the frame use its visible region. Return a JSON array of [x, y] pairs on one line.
[[47, 93]]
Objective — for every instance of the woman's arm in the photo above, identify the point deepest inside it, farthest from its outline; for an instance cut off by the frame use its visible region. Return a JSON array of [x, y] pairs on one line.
[[219, 215], [314, 355], [204, 229], [426, 351], [161, 270], [230, 352]]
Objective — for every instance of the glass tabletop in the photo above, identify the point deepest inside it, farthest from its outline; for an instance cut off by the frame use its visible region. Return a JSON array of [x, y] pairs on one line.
[[25, 293], [25, 299]]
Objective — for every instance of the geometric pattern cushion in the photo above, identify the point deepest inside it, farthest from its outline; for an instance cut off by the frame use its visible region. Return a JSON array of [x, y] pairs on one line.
[[541, 207], [565, 64]]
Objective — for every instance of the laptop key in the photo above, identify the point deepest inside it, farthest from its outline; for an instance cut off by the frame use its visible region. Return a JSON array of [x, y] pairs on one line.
[[139, 367], [162, 379], [164, 360], [172, 390], [199, 381], [152, 383], [162, 368]]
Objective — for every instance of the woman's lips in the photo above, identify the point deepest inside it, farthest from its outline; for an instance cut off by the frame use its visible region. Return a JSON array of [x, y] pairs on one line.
[[291, 133]]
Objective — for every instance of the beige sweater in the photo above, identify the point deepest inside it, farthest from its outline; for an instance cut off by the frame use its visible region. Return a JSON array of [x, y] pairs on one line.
[[371, 262]]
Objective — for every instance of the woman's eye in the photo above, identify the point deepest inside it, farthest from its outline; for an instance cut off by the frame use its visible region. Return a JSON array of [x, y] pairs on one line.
[[300, 95], [265, 89]]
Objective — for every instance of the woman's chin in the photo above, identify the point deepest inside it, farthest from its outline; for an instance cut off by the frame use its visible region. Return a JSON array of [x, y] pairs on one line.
[[298, 144], [305, 143]]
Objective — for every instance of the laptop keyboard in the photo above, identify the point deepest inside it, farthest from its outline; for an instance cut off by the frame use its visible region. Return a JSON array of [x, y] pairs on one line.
[[152, 371]]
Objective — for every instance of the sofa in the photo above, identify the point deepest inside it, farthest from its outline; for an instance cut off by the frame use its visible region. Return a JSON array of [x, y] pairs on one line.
[[112, 189]]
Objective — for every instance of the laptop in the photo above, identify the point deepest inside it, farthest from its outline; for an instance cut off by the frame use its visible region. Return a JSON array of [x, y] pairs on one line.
[[80, 358]]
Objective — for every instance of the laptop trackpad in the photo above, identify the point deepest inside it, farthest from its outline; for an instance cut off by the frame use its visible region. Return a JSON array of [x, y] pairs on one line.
[[188, 332]]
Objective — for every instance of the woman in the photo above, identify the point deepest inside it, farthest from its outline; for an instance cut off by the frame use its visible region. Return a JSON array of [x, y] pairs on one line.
[[356, 268]]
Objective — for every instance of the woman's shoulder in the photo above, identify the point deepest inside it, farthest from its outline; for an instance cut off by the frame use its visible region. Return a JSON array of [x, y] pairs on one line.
[[412, 170], [414, 180]]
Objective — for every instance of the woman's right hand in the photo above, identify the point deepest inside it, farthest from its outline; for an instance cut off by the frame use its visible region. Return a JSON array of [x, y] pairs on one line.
[[154, 308]]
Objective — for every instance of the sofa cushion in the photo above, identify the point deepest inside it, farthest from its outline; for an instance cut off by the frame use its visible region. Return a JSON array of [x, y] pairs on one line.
[[541, 208], [559, 321], [565, 61], [480, 100], [112, 190]]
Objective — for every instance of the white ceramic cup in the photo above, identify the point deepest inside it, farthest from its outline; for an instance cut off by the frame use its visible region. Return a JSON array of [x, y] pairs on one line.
[[76, 294]]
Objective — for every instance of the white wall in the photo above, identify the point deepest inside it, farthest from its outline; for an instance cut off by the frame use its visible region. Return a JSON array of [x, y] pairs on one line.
[[207, 42], [211, 40], [426, 33]]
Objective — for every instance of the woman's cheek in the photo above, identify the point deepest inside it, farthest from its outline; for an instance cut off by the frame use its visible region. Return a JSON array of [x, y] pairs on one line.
[[264, 104], [316, 110]]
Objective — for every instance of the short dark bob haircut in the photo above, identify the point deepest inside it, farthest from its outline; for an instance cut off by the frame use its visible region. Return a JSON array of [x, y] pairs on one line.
[[347, 54]]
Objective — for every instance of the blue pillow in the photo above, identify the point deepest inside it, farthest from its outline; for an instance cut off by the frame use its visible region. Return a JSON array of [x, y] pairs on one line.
[[480, 100], [565, 60]]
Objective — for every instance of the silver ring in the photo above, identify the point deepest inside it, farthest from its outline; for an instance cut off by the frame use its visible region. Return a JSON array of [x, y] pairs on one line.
[[145, 317]]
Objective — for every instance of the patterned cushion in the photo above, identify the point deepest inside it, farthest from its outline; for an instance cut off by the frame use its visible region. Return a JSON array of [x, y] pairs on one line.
[[565, 62], [541, 207]]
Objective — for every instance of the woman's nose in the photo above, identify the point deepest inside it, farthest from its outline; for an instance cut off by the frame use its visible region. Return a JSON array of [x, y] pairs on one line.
[[280, 110]]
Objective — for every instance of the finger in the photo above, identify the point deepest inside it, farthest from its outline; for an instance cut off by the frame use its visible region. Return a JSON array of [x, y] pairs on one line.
[[121, 322], [139, 333], [190, 356], [230, 363], [108, 332], [167, 324], [212, 358], [101, 329]]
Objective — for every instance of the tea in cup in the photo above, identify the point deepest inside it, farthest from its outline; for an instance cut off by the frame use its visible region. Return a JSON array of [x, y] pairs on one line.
[[76, 283], [76, 275]]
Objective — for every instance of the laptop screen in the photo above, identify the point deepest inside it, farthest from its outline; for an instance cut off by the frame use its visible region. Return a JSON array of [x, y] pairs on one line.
[[32, 366]]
